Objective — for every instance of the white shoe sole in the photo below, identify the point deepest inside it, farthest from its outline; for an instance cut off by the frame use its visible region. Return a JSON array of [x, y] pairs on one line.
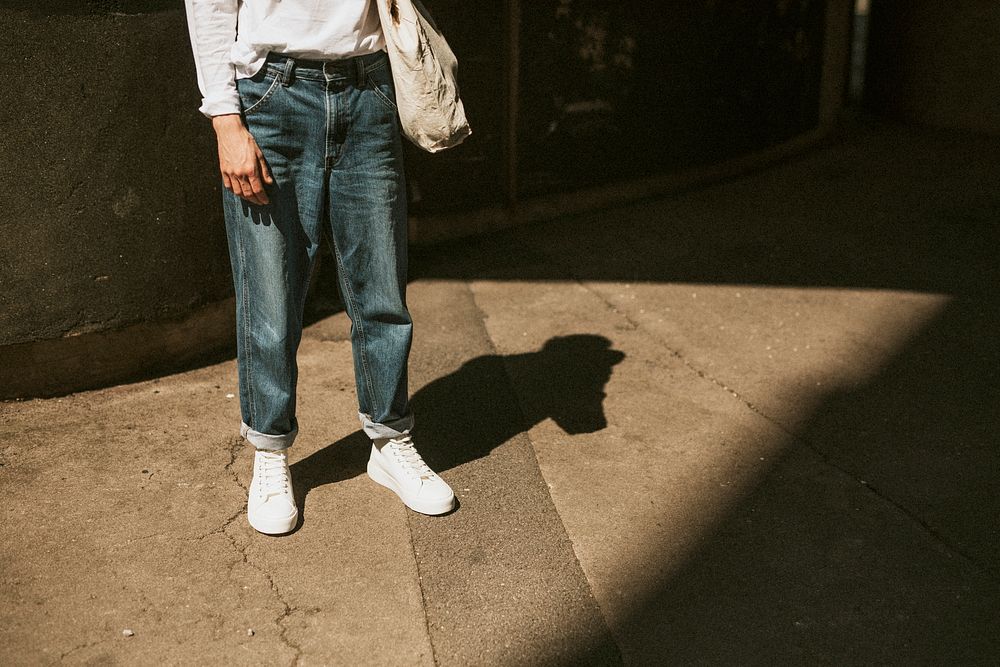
[[273, 526], [431, 507]]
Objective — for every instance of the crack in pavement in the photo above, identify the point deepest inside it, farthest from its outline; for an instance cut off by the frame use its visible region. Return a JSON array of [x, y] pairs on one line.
[[236, 444], [81, 647], [423, 595], [824, 457], [141, 538]]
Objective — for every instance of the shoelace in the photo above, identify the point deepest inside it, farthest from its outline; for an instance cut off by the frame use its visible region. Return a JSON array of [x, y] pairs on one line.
[[273, 473], [407, 454]]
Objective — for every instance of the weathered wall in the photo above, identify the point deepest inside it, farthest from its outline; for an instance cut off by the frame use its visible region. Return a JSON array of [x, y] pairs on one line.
[[111, 216], [114, 262], [104, 221], [936, 62]]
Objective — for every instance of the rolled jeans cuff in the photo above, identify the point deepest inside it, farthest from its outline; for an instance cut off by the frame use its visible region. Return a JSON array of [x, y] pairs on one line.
[[390, 429], [271, 443]]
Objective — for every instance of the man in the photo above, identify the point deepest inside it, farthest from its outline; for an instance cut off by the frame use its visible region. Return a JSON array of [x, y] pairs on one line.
[[301, 98]]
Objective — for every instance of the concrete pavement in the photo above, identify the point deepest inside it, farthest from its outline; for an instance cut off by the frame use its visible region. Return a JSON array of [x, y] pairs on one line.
[[751, 423]]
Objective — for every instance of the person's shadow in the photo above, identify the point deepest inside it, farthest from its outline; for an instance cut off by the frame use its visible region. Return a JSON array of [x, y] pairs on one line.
[[464, 415]]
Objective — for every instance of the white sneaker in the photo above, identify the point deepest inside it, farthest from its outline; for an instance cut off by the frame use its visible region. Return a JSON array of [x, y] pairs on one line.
[[398, 467], [271, 505]]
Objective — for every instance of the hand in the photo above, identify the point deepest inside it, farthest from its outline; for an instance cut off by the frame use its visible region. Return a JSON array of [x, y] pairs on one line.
[[244, 170]]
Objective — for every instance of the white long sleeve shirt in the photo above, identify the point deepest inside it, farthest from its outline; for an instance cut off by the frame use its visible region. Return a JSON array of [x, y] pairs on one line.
[[231, 39]]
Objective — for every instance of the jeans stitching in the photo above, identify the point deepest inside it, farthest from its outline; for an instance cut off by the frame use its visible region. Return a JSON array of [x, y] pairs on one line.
[[385, 98], [356, 320], [245, 298], [267, 95], [337, 107], [331, 113]]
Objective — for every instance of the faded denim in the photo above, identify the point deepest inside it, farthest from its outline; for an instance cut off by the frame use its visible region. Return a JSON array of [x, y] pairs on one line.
[[330, 135]]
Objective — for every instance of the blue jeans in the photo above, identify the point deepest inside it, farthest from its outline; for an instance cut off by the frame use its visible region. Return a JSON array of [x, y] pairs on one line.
[[330, 134]]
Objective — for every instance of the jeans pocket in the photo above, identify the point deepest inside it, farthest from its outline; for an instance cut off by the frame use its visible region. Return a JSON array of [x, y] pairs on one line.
[[256, 90], [381, 83]]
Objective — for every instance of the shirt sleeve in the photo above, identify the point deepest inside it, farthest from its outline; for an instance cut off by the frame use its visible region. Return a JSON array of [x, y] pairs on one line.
[[212, 27]]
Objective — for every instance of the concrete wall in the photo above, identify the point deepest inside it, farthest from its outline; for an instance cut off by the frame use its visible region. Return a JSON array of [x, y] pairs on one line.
[[114, 262], [936, 62], [111, 215]]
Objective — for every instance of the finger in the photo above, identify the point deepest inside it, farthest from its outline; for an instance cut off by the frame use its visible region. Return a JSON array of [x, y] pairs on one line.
[[265, 171], [258, 189], [246, 191], [233, 184]]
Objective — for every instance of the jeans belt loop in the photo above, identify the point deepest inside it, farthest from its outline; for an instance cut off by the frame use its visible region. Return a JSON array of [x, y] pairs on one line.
[[359, 70], [286, 74]]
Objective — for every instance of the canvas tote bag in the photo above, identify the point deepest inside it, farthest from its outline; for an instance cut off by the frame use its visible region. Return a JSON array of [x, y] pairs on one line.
[[424, 71]]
